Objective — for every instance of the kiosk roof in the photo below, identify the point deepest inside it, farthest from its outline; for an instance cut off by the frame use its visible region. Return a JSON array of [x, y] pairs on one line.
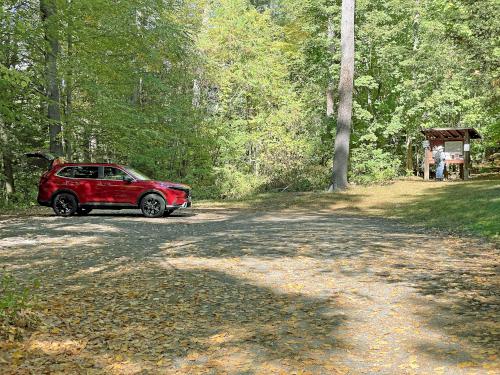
[[450, 133]]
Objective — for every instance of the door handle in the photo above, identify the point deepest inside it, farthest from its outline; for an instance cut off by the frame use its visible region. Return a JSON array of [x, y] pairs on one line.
[[72, 183]]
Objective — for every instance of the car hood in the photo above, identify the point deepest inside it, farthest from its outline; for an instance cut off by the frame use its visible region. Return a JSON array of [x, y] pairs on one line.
[[169, 184]]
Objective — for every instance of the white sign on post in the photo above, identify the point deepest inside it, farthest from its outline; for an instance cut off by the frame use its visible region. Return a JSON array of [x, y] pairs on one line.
[[466, 147]]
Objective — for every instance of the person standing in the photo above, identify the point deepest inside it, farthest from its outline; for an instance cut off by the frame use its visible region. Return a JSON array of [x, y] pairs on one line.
[[440, 160]]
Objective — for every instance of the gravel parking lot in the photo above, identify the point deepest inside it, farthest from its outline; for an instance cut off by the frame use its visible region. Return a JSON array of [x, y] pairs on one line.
[[240, 291]]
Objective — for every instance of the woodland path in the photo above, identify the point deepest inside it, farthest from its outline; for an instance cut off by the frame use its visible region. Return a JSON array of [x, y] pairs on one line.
[[239, 291]]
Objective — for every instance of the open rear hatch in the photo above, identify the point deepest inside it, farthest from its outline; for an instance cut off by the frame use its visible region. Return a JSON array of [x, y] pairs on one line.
[[41, 159]]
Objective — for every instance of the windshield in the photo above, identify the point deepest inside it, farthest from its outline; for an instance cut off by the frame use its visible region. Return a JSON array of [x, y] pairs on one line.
[[137, 175]]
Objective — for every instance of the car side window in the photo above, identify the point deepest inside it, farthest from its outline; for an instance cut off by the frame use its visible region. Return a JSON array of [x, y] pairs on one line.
[[66, 172], [111, 173], [86, 172]]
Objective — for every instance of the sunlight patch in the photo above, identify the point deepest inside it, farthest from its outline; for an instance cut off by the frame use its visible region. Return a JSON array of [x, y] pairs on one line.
[[54, 347], [45, 241], [80, 228]]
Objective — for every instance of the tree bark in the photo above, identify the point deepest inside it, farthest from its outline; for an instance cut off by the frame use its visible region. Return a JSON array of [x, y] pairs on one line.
[[7, 157], [198, 79], [416, 28], [6, 128], [8, 172], [197, 90], [409, 153], [69, 91], [346, 86], [416, 42], [48, 17], [330, 102]]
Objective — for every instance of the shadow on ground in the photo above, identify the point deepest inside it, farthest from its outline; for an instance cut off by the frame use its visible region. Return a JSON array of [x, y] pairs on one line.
[[244, 291], [154, 317]]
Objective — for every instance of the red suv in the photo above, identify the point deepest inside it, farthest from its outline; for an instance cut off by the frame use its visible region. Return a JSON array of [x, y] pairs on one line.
[[77, 188]]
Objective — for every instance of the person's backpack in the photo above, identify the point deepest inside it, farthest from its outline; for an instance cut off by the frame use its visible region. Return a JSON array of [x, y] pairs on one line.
[[438, 156]]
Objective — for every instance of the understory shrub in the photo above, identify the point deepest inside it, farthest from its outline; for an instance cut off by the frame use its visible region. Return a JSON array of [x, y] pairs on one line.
[[312, 177], [231, 183], [372, 165]]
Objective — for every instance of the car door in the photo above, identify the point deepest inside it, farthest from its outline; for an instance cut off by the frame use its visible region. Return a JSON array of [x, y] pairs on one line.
[[84, 183], [114, 189]]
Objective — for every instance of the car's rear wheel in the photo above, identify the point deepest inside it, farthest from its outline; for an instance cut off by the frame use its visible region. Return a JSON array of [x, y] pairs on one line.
[[153, 205], [83, 211], [64, 204]]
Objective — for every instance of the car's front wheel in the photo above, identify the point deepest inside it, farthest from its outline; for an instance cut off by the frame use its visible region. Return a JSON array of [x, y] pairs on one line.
[[64, 204], [153, 205]]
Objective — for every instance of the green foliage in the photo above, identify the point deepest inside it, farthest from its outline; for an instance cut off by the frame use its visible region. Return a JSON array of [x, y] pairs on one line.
[[314, 177], [259, 119], [373, 165], [230, 94], [231, 183]]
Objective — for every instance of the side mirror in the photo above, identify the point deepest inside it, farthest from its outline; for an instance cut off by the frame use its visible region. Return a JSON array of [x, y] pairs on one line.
[[128, 179]]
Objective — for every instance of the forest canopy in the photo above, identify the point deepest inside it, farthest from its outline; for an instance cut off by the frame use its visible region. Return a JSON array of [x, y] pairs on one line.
[[236, 96]]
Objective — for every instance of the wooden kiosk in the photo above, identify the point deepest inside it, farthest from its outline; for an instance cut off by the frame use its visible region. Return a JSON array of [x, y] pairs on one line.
[[456, 143]]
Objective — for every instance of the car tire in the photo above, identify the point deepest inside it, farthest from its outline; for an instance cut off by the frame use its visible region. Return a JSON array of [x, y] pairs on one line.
[[64, 204], [82, 211], [153, 205]]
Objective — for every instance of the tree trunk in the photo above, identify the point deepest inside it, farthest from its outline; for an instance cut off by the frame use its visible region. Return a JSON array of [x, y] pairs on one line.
[[416, 42], [69, 91], [48, 16], [346, 86], [409, 153], [8, 172], [6, 144], [198, 79], [416, 28], [197, 90], [330, 110], [329, 90]]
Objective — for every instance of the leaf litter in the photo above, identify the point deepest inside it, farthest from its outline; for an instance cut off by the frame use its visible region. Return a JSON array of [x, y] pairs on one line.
[[249, 293]]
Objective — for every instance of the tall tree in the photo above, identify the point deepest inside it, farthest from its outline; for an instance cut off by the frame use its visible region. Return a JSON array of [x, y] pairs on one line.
[[7, 61], [330, 101], [48, 12], [18, 115], [346, 86], [229, 95]]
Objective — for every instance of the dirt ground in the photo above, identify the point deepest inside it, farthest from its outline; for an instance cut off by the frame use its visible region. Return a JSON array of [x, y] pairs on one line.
[[242, 291]]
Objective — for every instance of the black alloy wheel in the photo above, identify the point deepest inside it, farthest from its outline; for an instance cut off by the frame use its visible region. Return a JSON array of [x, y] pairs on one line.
[[153, 205], [65, 204]]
